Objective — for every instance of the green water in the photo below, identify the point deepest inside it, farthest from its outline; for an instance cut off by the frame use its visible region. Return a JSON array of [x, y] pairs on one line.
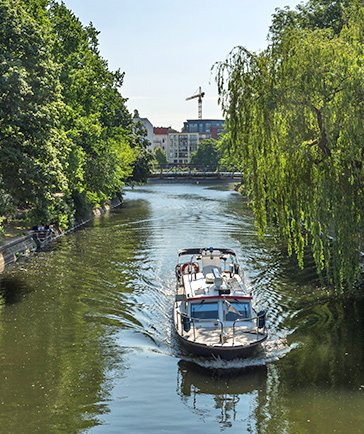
[[86, 341]]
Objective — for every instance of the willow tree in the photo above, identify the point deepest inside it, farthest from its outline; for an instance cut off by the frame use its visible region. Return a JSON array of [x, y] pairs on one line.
[[295, 112]]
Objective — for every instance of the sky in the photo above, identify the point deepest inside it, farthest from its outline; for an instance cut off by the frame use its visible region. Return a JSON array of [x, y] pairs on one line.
[[167, 48]]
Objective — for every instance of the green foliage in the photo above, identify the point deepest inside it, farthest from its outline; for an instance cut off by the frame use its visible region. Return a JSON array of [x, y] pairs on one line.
[[143, 165], [96, 121], [295, 113], [315, 14], [207, 153], [30, 166], [161, 157], [67, 140], [230, 155]]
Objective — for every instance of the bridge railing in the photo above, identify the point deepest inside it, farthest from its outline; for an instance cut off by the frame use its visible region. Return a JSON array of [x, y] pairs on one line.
[[203, 171]]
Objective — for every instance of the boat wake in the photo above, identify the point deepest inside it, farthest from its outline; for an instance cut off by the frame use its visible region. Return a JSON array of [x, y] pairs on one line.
[[271, 351]]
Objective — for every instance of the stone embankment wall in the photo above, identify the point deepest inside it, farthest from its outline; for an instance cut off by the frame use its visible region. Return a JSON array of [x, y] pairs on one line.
[[12, 250]]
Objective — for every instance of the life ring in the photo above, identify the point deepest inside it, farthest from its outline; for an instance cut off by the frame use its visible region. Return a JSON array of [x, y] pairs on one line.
[[186, 268]]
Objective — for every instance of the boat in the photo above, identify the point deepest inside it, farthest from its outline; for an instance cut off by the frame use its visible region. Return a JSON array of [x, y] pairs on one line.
[[213, 311]]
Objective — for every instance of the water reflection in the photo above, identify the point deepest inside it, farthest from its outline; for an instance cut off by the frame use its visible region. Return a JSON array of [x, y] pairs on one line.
[[222, 394], [85, 331], [12, 290], [53, 363], [331, 332], [58, 352]]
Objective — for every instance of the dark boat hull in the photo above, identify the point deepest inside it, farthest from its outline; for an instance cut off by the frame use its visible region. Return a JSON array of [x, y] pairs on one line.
[[223, 352]]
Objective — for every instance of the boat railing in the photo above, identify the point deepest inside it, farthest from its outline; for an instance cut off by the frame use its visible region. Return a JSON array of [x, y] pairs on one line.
[[185, 317], [254, 318]]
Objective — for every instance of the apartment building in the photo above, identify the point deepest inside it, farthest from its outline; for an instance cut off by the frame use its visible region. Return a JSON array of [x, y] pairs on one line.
[[179, 145], [205, 128], [160, 138], [149, 127]]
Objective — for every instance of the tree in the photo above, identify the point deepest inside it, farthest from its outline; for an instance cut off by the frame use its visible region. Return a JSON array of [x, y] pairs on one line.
[[67, 140], [230, 155], [295, 112], [161, 157], [207, 153], [30, 143], [314, 14], [100, 129], [143, 166]]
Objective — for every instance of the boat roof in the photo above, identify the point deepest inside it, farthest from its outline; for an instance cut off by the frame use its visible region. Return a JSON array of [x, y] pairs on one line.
[[198, 251], [221, 297]]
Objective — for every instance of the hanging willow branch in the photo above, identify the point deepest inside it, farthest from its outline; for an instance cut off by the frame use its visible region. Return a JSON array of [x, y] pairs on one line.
[[284, 107]]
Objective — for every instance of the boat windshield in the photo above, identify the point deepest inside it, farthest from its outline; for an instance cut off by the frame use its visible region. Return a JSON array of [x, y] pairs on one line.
[[236, 310], [204, 310]]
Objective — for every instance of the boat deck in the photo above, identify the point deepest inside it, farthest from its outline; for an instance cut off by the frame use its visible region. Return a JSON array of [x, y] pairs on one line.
[[212, 336]]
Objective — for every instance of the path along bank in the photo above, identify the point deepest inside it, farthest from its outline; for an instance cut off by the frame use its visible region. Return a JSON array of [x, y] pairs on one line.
[[12, 250]]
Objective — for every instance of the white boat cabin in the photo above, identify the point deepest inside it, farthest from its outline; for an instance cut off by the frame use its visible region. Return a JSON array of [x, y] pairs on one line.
[[214, 291]]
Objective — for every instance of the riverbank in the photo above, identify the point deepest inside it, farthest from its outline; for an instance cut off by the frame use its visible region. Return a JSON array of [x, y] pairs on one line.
[[18, 240]]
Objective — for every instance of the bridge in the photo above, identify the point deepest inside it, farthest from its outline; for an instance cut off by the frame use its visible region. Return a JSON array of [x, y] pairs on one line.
[[187, 171]]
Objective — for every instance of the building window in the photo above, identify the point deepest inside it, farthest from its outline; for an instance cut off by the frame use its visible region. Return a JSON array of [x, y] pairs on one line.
[[192, 128], [193, 139]]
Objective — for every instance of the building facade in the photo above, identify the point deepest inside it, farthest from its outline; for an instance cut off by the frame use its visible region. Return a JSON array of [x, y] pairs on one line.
[[179, 146], [205, 128], [160, 139], [148, 125]]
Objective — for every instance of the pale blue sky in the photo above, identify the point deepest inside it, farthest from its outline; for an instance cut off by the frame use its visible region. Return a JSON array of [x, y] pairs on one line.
[[167, 48]]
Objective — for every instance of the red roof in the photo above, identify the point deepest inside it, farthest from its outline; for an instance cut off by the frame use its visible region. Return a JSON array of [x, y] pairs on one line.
[[160, 130]]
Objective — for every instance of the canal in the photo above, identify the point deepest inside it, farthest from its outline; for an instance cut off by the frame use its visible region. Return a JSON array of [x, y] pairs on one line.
[[86, 341]]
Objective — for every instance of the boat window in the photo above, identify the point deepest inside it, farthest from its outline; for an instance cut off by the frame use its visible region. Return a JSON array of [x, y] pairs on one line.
[[204, 310], [236, 310]]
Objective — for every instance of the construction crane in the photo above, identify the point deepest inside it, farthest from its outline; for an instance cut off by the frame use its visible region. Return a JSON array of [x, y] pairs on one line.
[[200, 95]]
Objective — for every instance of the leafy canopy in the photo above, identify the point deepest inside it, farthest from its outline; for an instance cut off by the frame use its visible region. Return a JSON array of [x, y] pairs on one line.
[[161, 157], [207, 153], [67, 140], [295, 113]]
